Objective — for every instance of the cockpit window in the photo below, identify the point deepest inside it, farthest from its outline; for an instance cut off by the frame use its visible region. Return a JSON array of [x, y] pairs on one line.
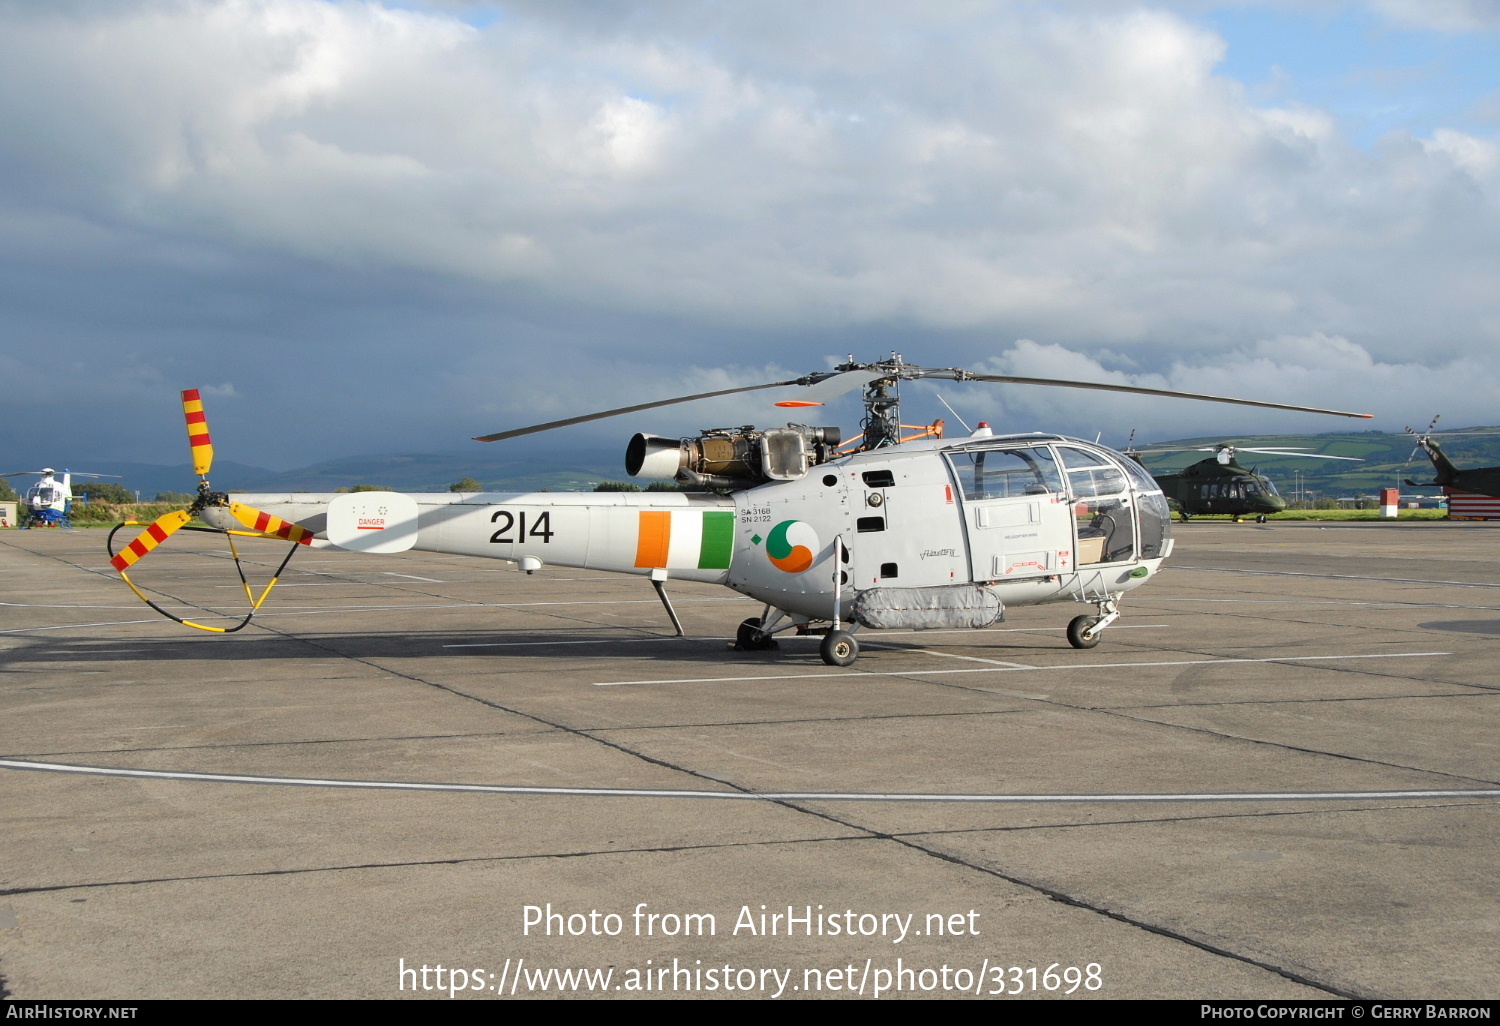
[[1006, 473], [1080, 459], [1090, 474], [1140, 476]]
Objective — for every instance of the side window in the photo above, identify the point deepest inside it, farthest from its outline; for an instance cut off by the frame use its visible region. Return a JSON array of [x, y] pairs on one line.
[[1006, 473]]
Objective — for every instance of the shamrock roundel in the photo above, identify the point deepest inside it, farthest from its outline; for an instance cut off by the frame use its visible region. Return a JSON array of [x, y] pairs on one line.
[[791, 546]]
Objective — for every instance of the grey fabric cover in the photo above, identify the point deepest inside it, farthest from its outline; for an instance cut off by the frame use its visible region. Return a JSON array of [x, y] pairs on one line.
[[958, 605]]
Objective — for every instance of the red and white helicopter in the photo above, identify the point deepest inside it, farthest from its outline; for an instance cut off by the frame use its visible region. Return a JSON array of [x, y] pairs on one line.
[[908, 532]]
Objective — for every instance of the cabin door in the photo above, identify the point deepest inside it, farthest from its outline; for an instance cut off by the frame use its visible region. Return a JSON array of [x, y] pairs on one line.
[[1017, 521]]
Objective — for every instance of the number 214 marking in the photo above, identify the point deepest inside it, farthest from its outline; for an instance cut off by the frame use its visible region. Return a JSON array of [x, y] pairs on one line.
[[541, 527]]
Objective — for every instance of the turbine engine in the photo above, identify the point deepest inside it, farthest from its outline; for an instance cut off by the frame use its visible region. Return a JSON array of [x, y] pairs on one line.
[[732, 457]]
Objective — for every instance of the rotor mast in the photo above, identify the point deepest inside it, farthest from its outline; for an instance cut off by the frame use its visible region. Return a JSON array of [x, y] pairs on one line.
[[882, 421]]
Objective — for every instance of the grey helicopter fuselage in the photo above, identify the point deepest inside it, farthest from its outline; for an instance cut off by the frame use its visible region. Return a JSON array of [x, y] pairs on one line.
[[908, 532], [1035, 518], [1029, 518]]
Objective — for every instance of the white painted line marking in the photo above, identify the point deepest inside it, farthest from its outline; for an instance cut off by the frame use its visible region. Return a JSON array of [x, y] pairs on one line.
[[1018, 669], [413, 577], [1332, 577], [1019, 630], [794, 637], [326, 611], [58, 605], [296, 584], [955, 655], [106, 623], [811, 796]]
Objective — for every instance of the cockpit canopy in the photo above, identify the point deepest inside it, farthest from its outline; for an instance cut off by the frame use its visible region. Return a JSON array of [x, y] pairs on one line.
[[1102, 485]]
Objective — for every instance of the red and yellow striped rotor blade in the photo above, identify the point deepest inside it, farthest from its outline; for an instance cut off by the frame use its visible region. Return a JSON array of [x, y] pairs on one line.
[[267, 524], [197, 427], [150, 538]]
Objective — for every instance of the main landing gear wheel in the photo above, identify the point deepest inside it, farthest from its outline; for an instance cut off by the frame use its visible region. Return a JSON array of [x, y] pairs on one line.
[[1185, 515], [839, 648], [750, 639], [1077, 626], [1261, 519]]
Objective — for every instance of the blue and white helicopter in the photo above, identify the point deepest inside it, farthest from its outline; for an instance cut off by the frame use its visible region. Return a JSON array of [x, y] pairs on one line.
[[49, 502]]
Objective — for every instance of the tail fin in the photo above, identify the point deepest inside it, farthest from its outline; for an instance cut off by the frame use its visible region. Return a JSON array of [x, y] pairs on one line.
[[1447, 473]]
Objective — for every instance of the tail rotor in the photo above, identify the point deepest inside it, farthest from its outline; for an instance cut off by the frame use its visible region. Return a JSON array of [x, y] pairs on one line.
[[210, 507]]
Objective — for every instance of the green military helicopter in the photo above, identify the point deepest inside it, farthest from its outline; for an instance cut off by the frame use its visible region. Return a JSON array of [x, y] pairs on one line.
[[1220, 486]]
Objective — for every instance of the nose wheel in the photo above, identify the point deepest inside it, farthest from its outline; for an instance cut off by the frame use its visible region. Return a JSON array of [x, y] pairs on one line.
[[1081, 633], [1085, 631]]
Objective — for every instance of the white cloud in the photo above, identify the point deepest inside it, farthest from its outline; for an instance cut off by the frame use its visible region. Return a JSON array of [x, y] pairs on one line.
[[1328, 372], [1442, 15], [1479, 157], [999, 163]]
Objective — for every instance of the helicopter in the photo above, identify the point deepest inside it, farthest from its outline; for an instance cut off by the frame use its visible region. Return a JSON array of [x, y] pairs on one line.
[[49, 502], [884, 531], [1219, 485], [1479, 480]]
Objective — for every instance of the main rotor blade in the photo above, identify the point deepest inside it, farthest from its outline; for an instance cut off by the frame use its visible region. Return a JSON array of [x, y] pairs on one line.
[[1305, 455], [831, 388], [160, 530], [267, 524], [74, 473], [1099, 386], [197, 428], [499, 435], [1458, 434]]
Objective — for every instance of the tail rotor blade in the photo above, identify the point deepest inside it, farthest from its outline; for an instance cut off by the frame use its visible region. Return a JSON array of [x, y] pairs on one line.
[[197, 428], [267, 524], [159, 531]]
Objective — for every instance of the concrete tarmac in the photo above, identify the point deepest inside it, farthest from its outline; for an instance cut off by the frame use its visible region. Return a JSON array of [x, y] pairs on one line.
[[1264, 664]]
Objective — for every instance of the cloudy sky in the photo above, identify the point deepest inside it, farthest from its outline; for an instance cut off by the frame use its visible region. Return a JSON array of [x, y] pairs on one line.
[[368, 227]]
